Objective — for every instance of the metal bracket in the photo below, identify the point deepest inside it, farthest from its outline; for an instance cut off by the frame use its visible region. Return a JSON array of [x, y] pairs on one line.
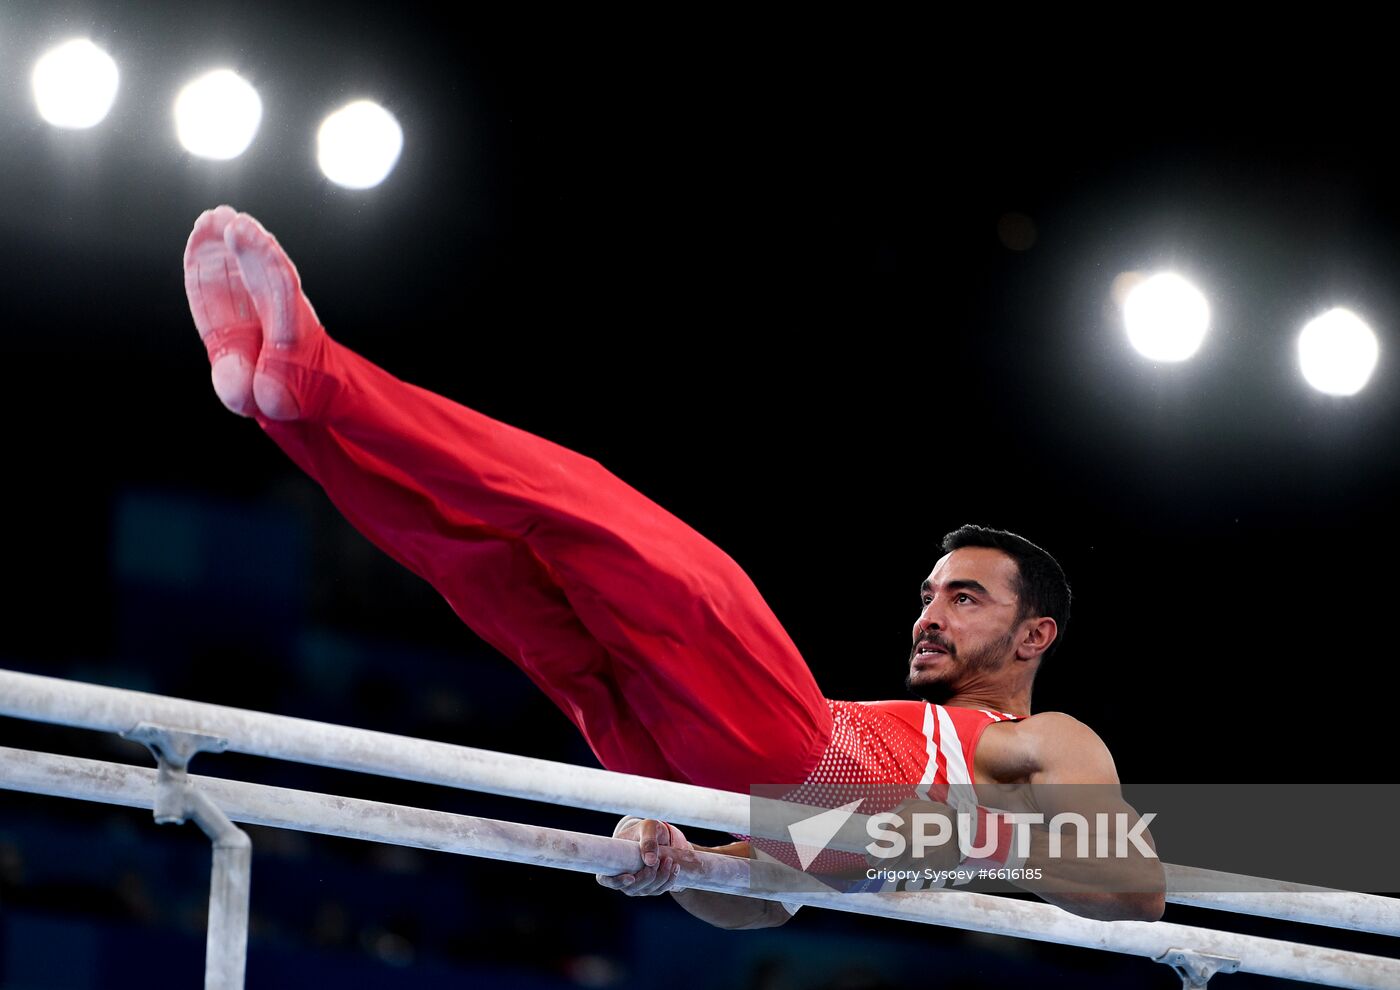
[[1196, 968], [173, 750], [175, 745], [176, 799]]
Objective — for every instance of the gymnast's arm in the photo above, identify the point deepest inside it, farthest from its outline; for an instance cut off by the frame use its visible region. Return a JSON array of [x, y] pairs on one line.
[[1070, 770], [663, 845]]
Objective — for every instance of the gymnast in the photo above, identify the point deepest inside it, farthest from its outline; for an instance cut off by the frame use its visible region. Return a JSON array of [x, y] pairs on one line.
[[652, 640]]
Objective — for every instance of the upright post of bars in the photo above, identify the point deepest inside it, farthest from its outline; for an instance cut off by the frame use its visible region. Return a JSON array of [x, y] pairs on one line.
[[177, 800]]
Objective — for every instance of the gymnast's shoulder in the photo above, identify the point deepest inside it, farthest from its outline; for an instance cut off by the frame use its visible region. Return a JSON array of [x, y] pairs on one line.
[[1049, 747]]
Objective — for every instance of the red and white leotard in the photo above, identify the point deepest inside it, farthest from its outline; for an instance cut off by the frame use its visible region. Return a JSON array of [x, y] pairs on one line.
[[886, 752]]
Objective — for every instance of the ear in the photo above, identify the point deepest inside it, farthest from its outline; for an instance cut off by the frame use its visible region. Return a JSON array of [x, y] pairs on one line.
[[1036, 636]]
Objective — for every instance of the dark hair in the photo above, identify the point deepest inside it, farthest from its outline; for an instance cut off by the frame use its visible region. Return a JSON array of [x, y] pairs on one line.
[[1040, 581]]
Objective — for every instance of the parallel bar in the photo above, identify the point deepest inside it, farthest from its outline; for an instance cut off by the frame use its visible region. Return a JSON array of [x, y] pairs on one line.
[[91, 706], [114, 783], [1283, 901], [107, 709]]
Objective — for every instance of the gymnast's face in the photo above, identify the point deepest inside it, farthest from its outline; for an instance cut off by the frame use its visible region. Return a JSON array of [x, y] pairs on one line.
[[965, 635]]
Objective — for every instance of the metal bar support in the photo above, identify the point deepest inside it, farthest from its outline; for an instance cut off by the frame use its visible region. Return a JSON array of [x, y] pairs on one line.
[[1196, 968], [178, 800]]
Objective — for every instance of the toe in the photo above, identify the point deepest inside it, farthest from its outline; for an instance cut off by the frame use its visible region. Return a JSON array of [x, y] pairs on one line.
[[216, 295], [209, 226]]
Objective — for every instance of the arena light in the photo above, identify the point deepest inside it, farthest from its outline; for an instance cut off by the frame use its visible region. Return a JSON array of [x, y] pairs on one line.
[[217, 115], [1337, 352], [358, 145], [1166, 317], [75, 84]]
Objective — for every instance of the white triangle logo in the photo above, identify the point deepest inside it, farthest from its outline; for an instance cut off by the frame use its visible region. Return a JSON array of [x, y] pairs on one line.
[[810, 836]]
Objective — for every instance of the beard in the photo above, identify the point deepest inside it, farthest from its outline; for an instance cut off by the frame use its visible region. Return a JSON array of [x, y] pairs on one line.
[[934, 692], [989, 656]]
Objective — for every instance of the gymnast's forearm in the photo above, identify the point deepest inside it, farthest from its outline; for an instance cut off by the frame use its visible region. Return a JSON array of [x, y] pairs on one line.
[[731, 911], [1130, 887]]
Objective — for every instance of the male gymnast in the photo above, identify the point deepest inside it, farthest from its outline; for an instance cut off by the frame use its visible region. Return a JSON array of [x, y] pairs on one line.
[[651, 639]]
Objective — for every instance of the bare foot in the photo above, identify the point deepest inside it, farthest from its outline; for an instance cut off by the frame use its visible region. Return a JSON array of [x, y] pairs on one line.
[[264, 341], [223, 312], [292, 336]]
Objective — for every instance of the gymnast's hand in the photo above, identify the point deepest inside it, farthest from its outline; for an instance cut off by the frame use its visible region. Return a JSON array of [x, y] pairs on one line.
[[664, 847]]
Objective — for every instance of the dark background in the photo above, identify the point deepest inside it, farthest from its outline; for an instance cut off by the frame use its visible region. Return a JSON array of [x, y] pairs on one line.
[[756, 266]]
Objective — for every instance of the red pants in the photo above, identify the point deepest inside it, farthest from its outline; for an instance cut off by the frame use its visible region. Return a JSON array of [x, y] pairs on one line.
[[650, 638]]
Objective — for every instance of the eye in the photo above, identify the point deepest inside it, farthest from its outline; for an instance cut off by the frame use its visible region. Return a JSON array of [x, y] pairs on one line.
[[963, 596], [924, 600]]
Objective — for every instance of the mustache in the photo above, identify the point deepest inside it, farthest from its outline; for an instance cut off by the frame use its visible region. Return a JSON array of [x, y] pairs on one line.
[[933, 640]]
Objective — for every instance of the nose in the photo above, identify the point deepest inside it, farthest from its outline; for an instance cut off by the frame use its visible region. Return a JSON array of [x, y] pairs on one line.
[[929, 619]]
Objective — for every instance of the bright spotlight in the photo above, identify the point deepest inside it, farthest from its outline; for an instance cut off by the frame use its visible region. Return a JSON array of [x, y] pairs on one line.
[[1166, 317], [75, 84], [358, 145], [217, 115], [1338, 352]]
